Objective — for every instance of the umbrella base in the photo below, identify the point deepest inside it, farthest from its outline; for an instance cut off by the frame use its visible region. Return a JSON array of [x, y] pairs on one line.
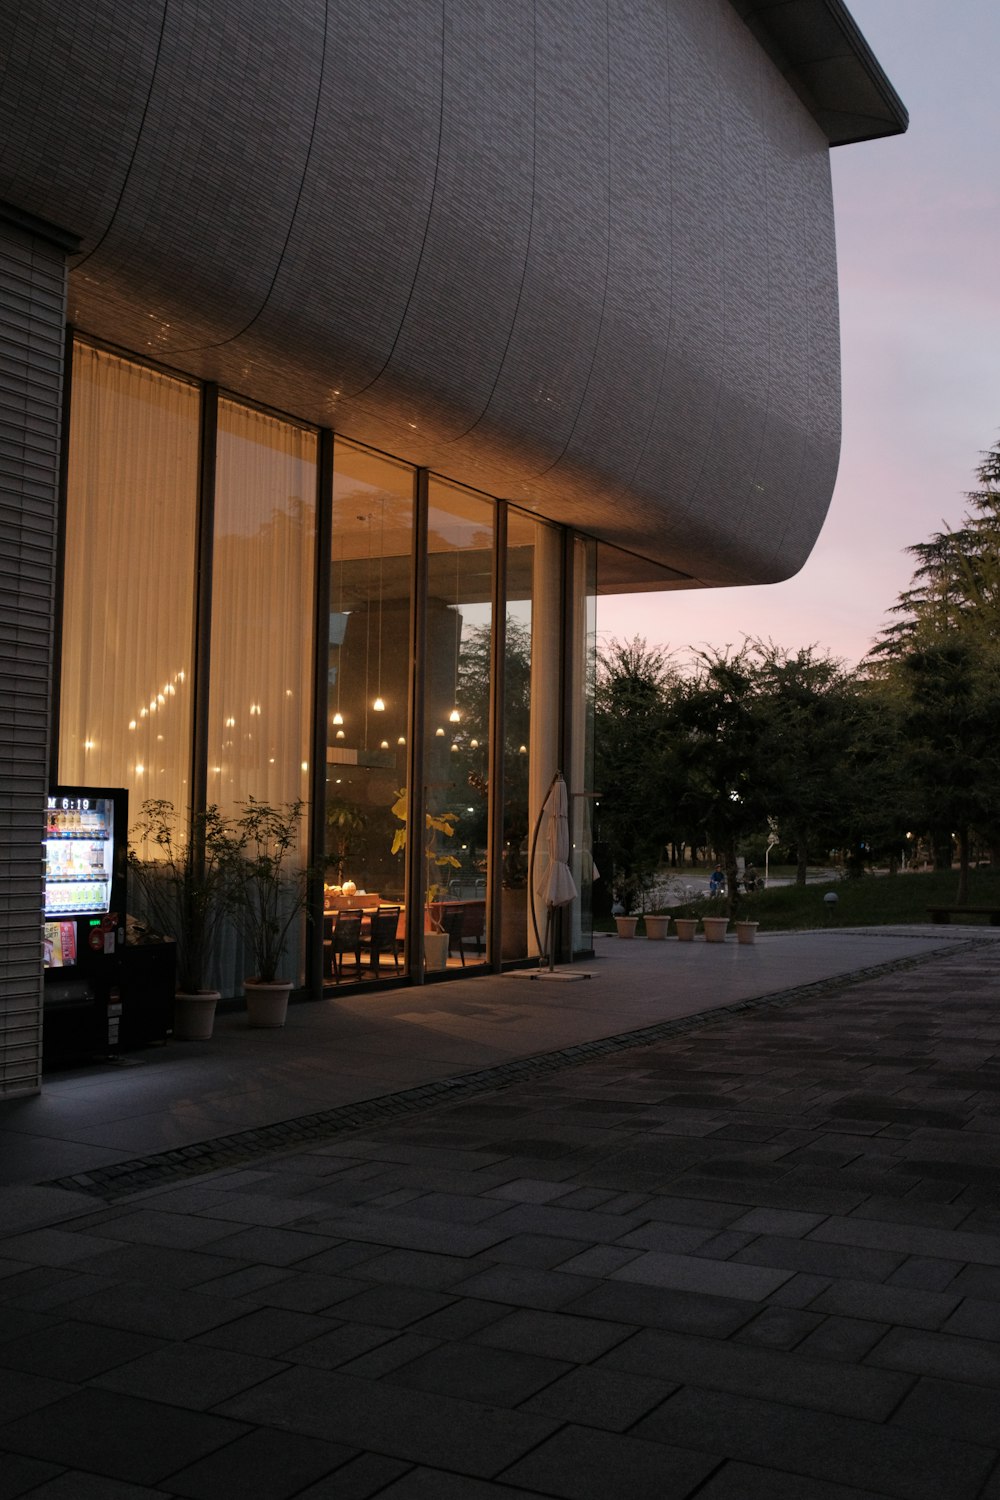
[[563, 974]]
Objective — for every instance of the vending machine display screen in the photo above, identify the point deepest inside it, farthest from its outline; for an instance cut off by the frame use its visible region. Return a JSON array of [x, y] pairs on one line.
[[79, 862]]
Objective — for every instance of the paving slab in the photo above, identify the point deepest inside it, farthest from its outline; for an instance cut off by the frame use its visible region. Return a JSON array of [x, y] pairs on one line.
[[436, 1293], [891, 1461]]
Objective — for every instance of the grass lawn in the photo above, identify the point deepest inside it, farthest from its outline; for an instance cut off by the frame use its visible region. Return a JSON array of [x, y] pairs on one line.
[[871, 901]]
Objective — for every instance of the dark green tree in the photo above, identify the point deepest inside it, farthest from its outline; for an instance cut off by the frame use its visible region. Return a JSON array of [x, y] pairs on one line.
[[941, 657], [635, 762], [953, 725], [807, 711], [956, 580], [721, 744]]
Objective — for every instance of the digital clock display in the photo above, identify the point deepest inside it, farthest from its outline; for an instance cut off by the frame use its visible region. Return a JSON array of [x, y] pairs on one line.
[[69, 804]]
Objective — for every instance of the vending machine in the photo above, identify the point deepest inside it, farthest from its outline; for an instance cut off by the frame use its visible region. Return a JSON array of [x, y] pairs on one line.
[[83, 924]]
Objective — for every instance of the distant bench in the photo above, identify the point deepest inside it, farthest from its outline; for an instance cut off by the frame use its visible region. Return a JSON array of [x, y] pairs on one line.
[[945, 913]]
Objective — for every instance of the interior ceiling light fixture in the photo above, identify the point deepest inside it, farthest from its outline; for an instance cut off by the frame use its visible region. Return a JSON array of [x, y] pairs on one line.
[[338, 717], [455, 717], [379, 704]]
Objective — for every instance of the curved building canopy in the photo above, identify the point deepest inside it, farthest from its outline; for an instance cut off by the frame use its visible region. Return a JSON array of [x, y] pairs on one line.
[[587, 269]]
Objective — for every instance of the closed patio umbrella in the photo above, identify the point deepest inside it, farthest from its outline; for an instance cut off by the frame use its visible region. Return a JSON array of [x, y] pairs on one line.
[[554, 881]]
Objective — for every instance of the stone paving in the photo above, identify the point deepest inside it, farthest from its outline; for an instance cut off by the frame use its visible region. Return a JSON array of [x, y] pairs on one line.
[[752, 1260]]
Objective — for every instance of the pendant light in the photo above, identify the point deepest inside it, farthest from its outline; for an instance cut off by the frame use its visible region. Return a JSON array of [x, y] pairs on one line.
[[455, 717], [369, 517], [379, 704], [338, 717]]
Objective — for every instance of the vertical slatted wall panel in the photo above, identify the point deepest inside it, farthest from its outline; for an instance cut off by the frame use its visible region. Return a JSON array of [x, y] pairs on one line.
[[32, 324]]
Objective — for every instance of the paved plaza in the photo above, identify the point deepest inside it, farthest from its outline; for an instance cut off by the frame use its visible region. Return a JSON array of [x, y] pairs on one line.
[[714, 1222]]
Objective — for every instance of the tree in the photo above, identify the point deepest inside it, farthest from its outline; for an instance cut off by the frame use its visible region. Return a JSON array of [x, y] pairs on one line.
[[953, 721], [879, 793], [941, 656], [807, 711], [634, 761], [956, 583], [720, 744]]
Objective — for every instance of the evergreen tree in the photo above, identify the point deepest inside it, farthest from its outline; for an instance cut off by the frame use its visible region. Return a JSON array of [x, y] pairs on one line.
[[956, 581]]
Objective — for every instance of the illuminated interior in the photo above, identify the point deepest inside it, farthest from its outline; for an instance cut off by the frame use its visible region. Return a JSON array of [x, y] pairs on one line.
[[147, 657]]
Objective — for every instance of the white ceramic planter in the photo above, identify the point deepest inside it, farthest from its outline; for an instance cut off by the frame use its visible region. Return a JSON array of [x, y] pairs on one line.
[[686, 928], [656, 928], [626, 926], [194, 1015], [715, 929], [746, 932], [435, 950], [267, 1004]]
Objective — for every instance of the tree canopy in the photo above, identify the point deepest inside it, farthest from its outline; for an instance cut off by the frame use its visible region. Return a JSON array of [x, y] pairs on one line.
[[742, 742]]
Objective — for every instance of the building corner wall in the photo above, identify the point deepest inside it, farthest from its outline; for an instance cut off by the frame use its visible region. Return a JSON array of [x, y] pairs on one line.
[[32, 335]]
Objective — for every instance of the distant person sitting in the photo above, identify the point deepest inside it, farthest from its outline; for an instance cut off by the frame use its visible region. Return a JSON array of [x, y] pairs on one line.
[[717, 881], [750, 880]]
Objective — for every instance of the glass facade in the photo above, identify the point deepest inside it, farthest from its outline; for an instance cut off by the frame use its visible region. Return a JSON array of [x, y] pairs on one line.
[[126, 678], [263, 571], [532, 715], [191, 595], [581, 672], [457, 674], [367, 715]]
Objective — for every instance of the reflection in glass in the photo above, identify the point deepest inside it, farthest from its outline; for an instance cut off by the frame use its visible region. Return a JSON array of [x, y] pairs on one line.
[[457, 723], [368, 686], [582, 593], [128, 601], [532, 708]]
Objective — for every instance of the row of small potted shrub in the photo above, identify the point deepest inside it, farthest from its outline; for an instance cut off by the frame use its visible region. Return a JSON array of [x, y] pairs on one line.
[[715, 928]]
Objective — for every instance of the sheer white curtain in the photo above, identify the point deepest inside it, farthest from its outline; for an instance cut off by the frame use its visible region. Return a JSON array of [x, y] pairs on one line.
[[260, 706], [128, 600], [260, 696]]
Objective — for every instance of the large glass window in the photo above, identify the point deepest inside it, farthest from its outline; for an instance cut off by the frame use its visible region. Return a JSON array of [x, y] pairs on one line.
[[262, 609], [128, 599], [128, 655], [367, 714], [582, 600], [532, 709], [460, 554], [263, 587]]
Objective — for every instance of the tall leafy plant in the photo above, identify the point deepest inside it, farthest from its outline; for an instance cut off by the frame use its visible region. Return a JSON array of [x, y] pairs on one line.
[[266, 892], [179, 865]]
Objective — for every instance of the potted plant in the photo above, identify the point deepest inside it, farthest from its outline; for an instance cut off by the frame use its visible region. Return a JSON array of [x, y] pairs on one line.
[[180, 871], [715, 929], [436, 861], [656, 927], [266, 893]]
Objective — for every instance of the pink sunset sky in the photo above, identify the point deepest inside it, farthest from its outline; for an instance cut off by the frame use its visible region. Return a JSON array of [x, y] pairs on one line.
[[918, 248]]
